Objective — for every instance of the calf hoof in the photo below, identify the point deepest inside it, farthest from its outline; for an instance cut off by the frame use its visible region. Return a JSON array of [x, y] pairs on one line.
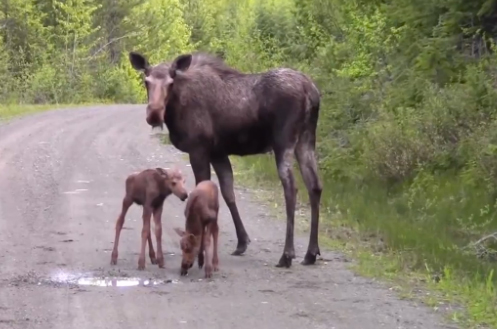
[[208, 271], [200, 261], [215, 264], [160, 262], [310, 257], [184, 272], [153, 260], [286, 259], [241, 247], [141, 264], [113, 258]]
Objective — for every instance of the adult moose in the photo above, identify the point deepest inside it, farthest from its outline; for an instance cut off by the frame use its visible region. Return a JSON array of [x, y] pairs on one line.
[[212, 111]]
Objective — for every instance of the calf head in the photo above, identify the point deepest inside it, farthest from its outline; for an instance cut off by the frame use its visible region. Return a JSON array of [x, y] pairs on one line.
[[190, 245], [159, 81], [174, 181]]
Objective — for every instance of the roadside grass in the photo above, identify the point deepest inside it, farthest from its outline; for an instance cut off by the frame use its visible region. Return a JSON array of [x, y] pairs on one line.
[[386, 244]]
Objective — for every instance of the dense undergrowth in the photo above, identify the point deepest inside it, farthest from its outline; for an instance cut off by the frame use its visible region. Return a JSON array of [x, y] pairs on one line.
[[408, 130]]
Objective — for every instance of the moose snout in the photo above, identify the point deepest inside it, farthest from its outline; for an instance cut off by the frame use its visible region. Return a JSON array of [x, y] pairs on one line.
[[155, 117], [184, 196]]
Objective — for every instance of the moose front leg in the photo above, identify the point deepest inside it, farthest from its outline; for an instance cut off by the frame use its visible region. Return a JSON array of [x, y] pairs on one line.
[[224, 172], [200, 166]]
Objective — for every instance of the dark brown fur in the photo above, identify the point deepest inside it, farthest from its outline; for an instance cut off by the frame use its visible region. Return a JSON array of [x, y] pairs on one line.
[[149, 189], [212, 111], [201, 214]]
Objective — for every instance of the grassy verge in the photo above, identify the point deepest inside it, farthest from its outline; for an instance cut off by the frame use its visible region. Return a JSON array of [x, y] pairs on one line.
[[416, 256]]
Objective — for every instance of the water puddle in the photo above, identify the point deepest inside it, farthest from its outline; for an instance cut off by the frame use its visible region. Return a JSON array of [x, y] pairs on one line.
[[76, 191], [63, 278], [119, 282]]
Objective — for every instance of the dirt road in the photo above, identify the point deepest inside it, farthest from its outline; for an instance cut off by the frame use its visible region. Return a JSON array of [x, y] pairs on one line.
[[61, 183]]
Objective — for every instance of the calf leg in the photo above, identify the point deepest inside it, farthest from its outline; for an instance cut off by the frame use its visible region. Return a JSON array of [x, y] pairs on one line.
[[158, 236], [151, 251], [202, 171], [215, 257], [208, 251], [200, 257], [308, 168], [284, 157], [127, 202], [224, 172], [147, 214]]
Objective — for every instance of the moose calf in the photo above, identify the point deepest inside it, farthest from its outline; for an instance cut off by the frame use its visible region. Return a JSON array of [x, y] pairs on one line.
[[149, 189], [201, 213]]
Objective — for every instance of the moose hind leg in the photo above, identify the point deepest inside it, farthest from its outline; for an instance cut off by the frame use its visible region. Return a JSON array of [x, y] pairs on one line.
[[284, 161], [224, 172], [306, 158]]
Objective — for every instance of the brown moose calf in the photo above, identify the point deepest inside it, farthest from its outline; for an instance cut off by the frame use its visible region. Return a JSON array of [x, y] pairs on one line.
[[201, 213], [149, 189]]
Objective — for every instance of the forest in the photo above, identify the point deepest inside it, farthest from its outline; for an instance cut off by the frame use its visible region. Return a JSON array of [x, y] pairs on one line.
[[407, 131]]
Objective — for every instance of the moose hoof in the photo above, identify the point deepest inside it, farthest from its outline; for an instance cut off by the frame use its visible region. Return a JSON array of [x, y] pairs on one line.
[[153, 260], [310, 257], [286, 260], [241, 247]]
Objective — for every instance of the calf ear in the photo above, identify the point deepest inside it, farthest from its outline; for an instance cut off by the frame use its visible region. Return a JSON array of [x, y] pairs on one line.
[[191, 238], [138, 61], [162, 172], [179, 231], [180, 64]]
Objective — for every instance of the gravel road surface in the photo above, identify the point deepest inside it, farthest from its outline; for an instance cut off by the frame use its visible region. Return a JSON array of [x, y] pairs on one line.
[[61, 184]]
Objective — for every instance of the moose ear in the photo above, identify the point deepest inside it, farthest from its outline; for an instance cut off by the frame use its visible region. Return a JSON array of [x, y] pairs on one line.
[[181, 64], [179, 231], [138, 61]]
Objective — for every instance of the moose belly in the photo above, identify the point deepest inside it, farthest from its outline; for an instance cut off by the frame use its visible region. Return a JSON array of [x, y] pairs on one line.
[[248, 142]]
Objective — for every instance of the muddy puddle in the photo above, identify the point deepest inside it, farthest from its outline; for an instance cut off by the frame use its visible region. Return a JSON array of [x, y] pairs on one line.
[[114, 282], [62, 279]]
